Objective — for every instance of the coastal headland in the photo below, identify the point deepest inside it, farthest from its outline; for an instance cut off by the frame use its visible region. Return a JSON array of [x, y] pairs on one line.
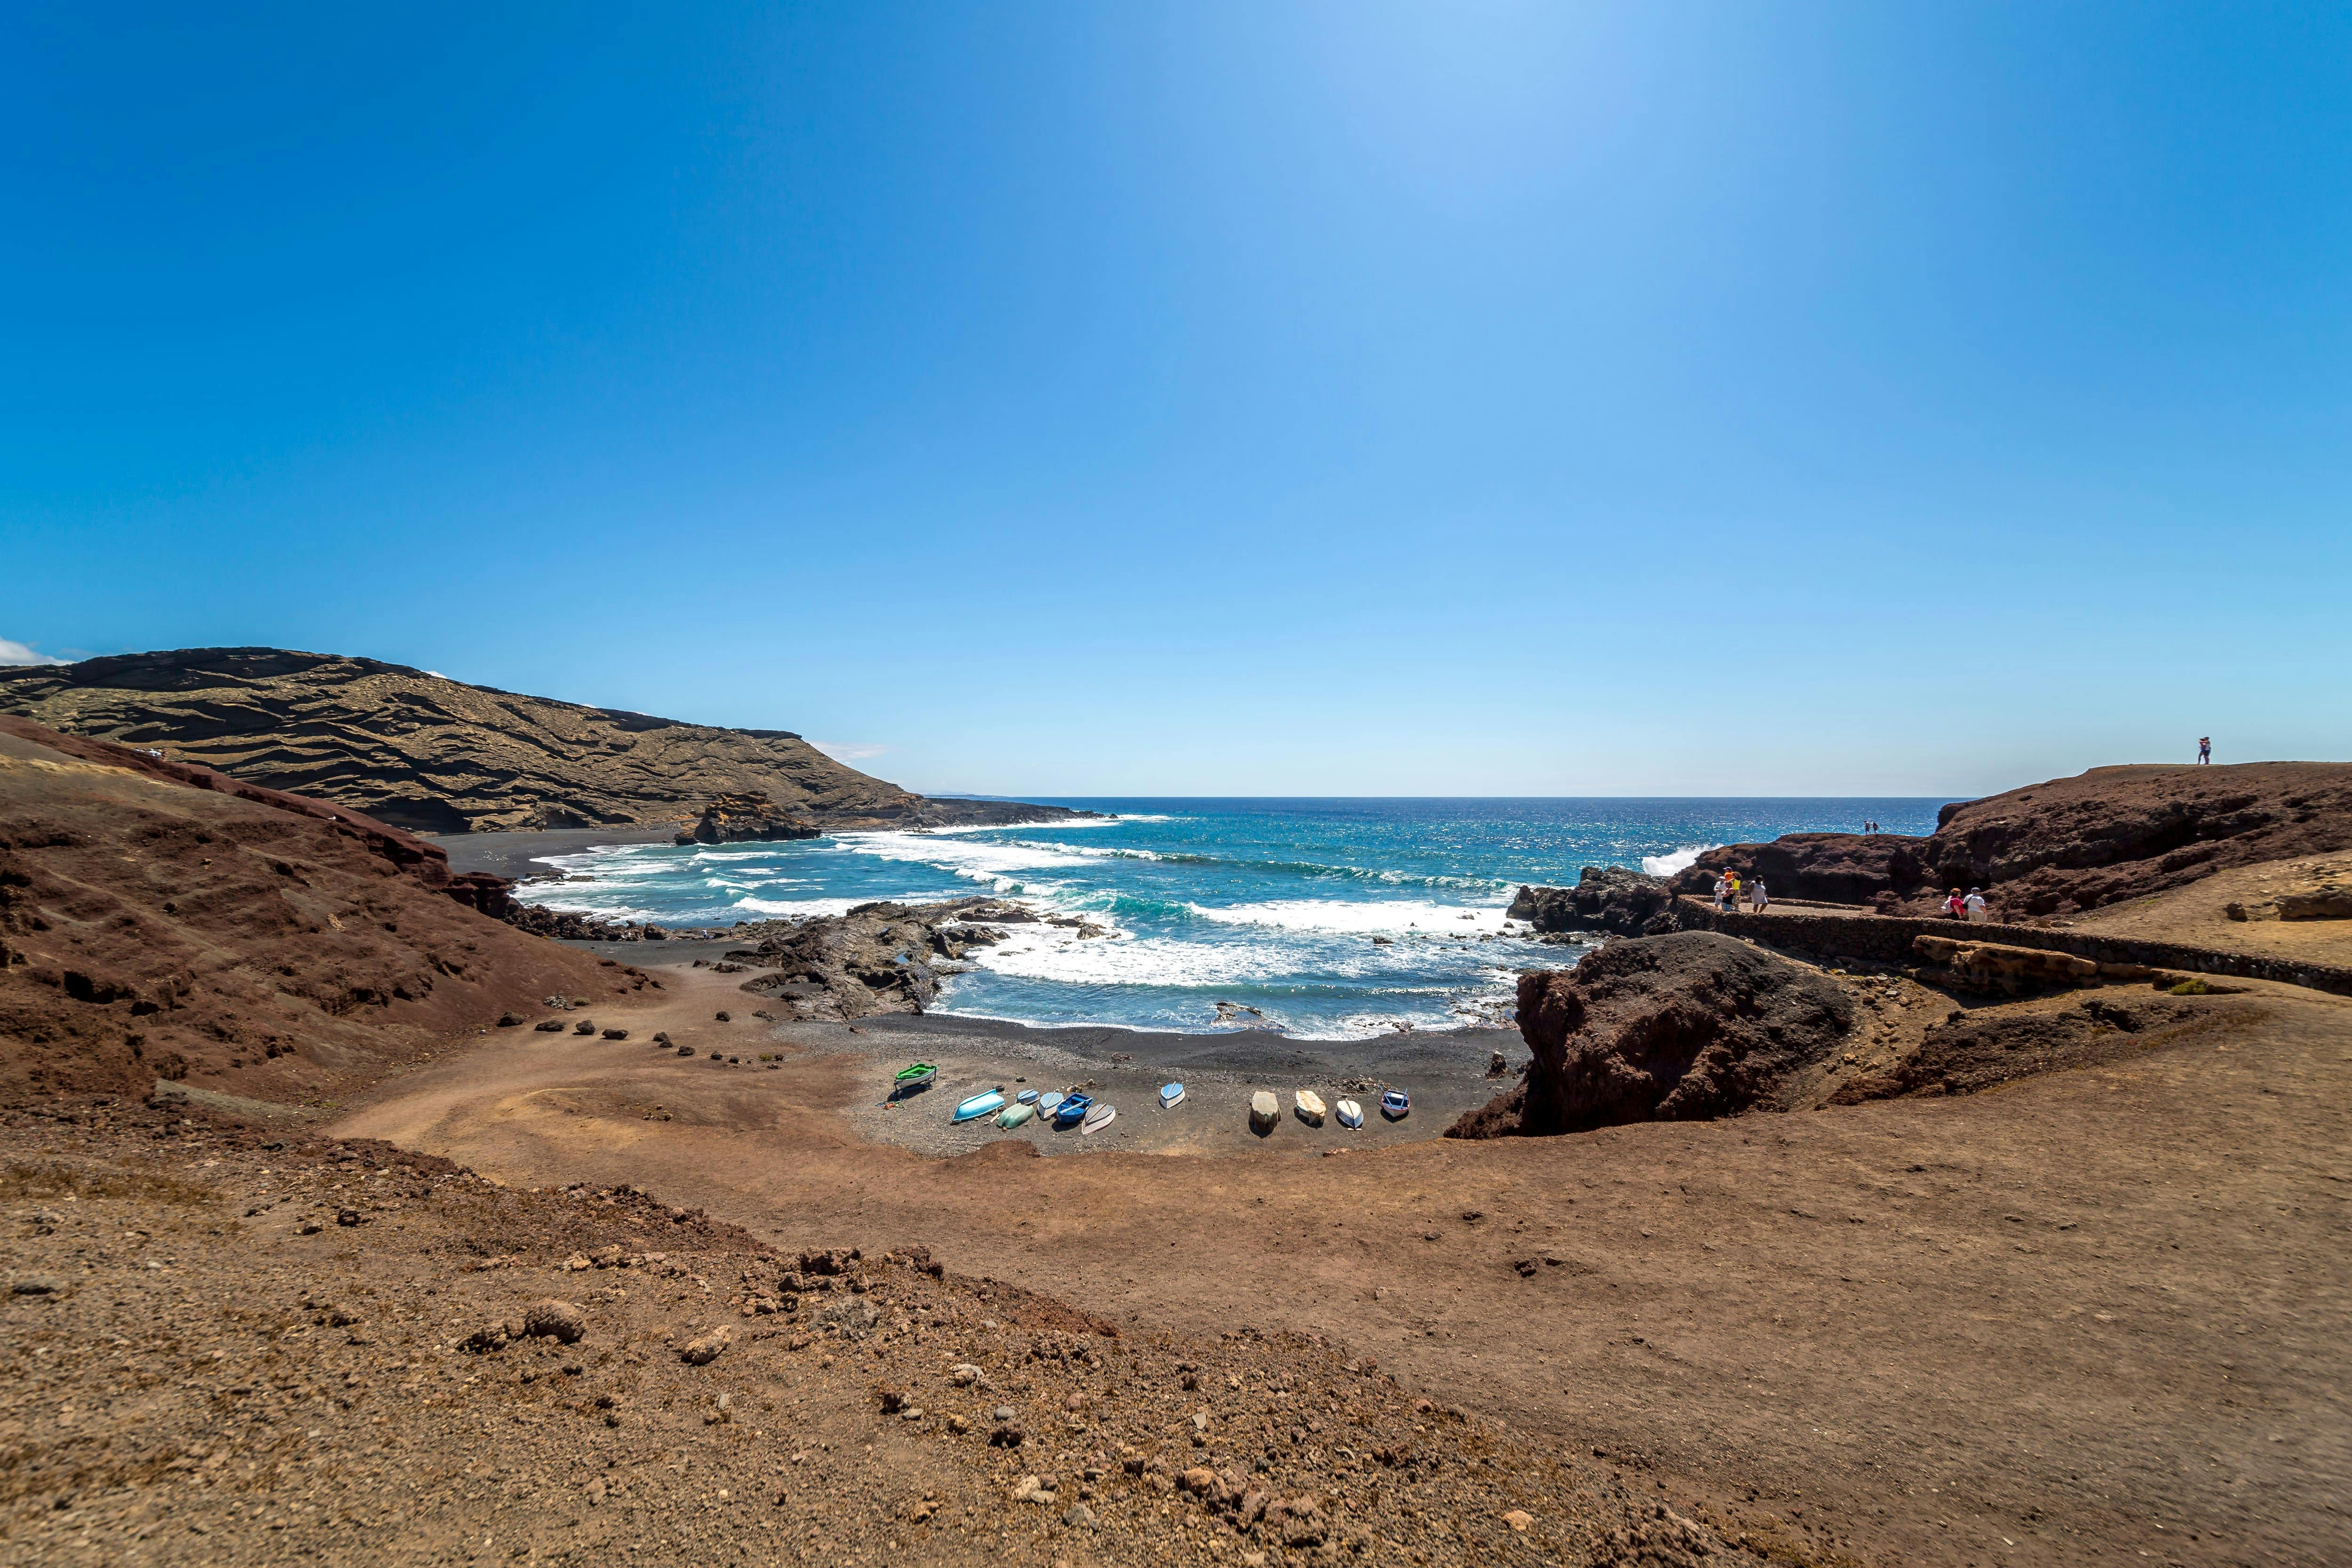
[[1961, 1257]]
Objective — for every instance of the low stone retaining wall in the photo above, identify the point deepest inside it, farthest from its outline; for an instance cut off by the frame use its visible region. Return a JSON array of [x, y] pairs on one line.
[[1886, 939]]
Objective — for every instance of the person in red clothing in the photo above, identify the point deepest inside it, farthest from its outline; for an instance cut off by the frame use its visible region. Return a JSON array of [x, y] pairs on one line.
[[1955, 907], [2205, 748]]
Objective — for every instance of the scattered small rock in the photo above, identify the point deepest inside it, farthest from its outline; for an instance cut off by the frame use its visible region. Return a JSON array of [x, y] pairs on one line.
[[704, 1349]]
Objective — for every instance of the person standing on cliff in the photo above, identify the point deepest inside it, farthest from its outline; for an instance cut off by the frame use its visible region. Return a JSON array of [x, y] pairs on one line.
[[1756, 897], [1722, 891], [2205, 748], [1955, 907], [1974, 904]]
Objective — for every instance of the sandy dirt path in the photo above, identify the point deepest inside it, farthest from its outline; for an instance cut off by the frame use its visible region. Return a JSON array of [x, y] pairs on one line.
[[2100, 1316]]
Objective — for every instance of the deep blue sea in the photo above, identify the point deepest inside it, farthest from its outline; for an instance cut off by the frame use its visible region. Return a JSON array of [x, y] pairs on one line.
[[1266, 904]]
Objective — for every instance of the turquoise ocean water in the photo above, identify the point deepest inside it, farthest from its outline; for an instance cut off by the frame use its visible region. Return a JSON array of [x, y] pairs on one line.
[[1265, 904]]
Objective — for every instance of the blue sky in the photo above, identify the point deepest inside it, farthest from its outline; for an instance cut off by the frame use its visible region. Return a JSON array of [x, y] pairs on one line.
[[1481, 399]]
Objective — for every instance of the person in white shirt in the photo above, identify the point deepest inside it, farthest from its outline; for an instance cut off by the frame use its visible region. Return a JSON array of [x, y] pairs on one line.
[[1974, 904], [1722, 892], [1756, 895]]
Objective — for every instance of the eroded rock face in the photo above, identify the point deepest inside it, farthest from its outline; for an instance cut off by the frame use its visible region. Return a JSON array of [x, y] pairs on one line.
[[2067, 844], [747, 817], [1605, 898], [1682, 1026]]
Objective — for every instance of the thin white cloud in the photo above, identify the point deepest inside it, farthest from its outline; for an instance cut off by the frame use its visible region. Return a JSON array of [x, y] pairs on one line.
[[849, 750], [21, 653]]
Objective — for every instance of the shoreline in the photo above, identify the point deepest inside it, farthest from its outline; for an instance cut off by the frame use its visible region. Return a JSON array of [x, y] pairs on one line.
[[1446, 1072]]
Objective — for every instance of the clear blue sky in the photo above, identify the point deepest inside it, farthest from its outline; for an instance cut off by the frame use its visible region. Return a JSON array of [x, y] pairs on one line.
[[1215, 398]]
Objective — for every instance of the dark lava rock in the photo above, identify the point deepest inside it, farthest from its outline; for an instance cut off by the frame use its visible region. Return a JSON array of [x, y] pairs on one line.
[[746, 818], [876, 958], [1683, 1027], [2066, 845], [1605, 898]]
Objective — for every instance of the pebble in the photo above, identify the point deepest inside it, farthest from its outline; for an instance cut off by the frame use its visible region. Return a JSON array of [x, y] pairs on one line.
[[1079, 1517], [38, 1285], [704, 1350], [1001, 1413], [1518, 1519]]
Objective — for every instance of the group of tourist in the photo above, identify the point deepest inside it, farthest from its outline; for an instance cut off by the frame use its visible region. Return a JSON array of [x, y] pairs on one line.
[[1972, 907], [1728, 887]]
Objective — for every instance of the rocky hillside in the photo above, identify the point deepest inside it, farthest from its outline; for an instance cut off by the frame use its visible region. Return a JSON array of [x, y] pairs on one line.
[[2068, 844], [156, 921], [433, 755]]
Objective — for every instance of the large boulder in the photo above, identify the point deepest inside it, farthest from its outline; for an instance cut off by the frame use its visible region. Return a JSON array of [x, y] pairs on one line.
[[1683, 1027], [1605, 898]]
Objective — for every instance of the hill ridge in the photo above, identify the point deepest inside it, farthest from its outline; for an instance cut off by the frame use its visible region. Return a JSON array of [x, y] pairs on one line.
[[431, 754]]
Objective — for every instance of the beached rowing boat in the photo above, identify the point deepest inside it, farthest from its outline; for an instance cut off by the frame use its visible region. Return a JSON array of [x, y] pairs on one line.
[[1098, 1118], [1264, 1109], [1014, 1115], [979, 1105], [1310, 1106], [1171, 1096], [1350, 1114]]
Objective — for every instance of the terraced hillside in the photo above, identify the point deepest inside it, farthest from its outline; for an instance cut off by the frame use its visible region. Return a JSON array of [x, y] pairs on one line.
[[434, 754]]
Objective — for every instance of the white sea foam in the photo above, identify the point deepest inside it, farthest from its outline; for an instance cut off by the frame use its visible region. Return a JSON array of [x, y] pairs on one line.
[[798, 908], [1677, 863], [1031, 955], [1375, 917]]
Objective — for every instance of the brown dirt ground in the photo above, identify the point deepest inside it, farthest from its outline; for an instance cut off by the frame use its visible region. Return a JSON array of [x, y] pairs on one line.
[[2098, 1315], [2195, 913], [226, 1347]]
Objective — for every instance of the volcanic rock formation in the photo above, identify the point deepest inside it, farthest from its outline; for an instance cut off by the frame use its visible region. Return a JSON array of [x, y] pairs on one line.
[[878, 957], [1605, 898], [433, 755], [747, 817], [1682, 1026], [2068, 844]]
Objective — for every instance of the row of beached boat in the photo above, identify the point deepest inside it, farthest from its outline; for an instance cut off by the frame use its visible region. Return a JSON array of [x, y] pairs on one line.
[[1266, 1110], [1082, 1111]]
